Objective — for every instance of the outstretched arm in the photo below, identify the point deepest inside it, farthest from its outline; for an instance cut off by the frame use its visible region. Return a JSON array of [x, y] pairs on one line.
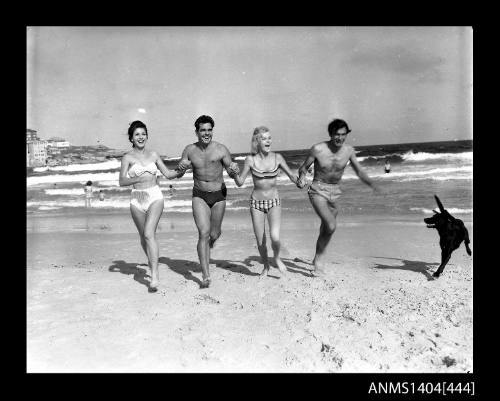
[[231, 167], [361, 173], [168, 173], [240, 178], [305, 166], [282, 163], [184, 163]]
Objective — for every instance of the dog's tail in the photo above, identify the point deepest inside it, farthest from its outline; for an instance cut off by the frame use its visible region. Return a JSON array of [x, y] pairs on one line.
[[467, 242]]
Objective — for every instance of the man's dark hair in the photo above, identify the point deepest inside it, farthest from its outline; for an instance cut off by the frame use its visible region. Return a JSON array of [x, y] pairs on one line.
[[203, 120], [337, 124]]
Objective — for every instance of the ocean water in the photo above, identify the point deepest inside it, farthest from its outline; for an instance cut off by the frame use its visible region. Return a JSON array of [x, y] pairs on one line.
[[419, 171]]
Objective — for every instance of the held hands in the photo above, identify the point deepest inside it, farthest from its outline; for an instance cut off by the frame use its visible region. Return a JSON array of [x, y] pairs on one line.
[[183, 166], [233, 169], [301, 182]]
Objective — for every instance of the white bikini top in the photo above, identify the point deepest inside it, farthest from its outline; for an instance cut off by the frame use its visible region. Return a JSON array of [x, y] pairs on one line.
[[138, 169]]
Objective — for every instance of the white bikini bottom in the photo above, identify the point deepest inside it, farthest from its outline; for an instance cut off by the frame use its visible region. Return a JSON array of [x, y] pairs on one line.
[[143, 198]]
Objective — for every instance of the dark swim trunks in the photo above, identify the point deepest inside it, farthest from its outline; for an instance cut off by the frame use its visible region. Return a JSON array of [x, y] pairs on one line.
[[211, 198]]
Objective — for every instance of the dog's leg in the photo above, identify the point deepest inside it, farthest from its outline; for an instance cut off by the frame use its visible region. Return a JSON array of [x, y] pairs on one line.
[[467, 242], [445, 257]]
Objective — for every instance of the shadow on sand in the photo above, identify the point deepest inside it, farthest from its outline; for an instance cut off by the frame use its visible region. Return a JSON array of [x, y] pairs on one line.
[[237, 267], [411, 265], [295, 268], [184, 267], [290, 266], [131, 268]]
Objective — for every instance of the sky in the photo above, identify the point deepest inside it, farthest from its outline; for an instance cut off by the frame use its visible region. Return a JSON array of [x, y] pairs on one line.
[[391, 84]]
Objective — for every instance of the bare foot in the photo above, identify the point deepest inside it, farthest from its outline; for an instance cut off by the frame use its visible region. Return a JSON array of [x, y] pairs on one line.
[[153, 286], [205, 283], [318, 270], [264, 272], [281, 266]]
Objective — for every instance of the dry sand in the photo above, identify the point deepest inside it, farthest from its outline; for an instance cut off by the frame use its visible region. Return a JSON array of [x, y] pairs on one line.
[[377, 310]]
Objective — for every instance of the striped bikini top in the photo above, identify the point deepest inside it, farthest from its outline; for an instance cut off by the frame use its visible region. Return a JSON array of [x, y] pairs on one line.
[[266, 174], [138, 169]]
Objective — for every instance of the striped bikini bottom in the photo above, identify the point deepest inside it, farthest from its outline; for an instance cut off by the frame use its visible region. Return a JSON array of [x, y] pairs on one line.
[[264, 205]]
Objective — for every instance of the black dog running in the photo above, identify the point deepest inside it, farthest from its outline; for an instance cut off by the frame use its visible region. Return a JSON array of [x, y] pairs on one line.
[[451, 232]]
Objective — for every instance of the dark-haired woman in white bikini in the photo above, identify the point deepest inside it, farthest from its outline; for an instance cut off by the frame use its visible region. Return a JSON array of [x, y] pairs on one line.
[[139, 168]]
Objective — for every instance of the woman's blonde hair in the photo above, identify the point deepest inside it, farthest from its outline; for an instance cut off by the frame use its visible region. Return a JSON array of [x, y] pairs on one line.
[[255, 138]]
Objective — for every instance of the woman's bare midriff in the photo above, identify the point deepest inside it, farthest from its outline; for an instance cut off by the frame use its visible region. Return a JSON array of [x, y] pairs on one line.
[[264, 188]]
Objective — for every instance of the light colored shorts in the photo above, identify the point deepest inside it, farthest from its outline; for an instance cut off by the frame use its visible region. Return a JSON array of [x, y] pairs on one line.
[[143, 198], [331, 192]]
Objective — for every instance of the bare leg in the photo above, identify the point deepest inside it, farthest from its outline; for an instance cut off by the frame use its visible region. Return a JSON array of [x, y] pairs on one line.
[[152, 218], [274, 218], [139, 218], [217, 214], [259, 229], [328, 215], [201, 214]]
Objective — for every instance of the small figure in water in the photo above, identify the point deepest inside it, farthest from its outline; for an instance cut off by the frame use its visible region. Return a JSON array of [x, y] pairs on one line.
[[171, 190], [387, 167], [88, 194]]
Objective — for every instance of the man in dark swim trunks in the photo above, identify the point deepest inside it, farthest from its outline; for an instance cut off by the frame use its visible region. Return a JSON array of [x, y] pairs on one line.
[[207, 158]]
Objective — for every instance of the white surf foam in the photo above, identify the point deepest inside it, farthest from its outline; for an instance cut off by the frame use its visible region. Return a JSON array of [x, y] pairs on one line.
[[452, 210], [423, 156], [110, 164]]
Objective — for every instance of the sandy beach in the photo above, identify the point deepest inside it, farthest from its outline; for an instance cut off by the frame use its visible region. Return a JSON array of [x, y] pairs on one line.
[[377, 310]]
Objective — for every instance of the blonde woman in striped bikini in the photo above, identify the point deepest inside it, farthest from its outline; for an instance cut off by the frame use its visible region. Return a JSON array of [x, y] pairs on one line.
[[265, 167]]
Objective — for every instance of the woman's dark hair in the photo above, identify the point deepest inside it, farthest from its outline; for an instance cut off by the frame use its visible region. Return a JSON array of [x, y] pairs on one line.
[[337, 124], [88, 183], [133, 126], [203, 120]]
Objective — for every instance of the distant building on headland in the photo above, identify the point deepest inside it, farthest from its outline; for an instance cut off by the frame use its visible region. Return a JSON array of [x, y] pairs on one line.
[[58, 151], [58, 142], [31, 135], [36, 153], [55, 145], [39, 152], [36, 149]]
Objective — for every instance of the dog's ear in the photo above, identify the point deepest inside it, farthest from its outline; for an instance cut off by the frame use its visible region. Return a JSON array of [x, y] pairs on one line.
[[440, 205]]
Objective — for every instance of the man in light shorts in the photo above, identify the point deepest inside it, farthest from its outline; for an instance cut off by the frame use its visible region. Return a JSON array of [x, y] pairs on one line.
[[330, 160]]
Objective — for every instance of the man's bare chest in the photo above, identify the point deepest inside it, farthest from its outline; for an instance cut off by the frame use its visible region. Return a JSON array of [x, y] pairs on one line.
[[331, 160], [205, 159]]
